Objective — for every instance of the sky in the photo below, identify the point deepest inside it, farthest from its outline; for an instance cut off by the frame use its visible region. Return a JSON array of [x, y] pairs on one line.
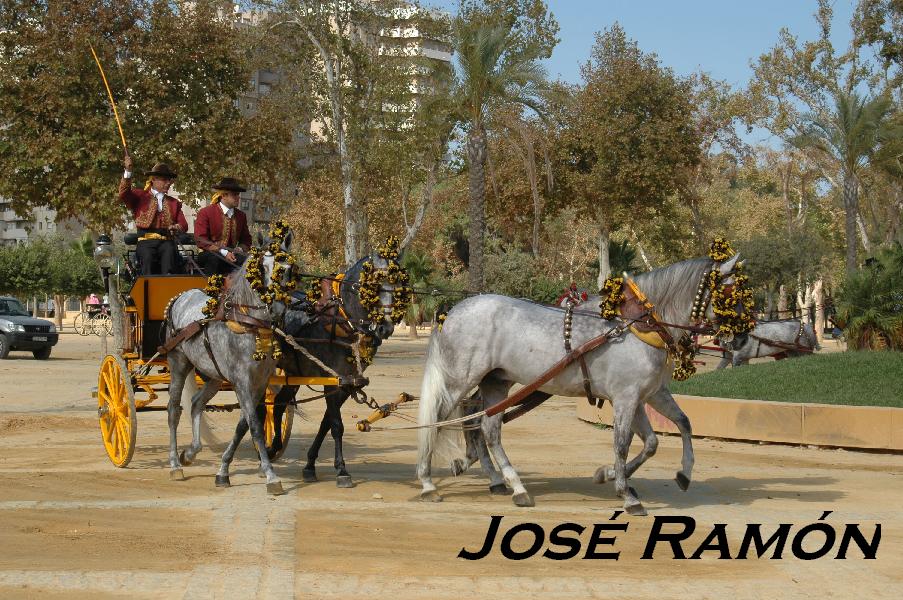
[[719, 37]]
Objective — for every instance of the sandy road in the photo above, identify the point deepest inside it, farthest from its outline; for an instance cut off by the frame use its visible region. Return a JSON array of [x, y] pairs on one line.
[[72, 525]]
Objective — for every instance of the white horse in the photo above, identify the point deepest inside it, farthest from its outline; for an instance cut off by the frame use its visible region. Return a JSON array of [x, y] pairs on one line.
[[491, 342], [780, 339]]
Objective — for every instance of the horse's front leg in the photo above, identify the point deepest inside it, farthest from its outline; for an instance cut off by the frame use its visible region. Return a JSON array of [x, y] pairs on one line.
[[222, 476], [625, 409], [337, 428], [309, 473], [642, 428], [249, 398], [664, 403]]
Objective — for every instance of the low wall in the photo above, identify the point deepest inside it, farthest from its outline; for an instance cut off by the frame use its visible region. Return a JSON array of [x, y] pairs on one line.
[[867, 427]]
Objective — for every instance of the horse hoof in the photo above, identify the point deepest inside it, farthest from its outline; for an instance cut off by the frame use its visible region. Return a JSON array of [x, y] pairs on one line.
[[683, 482], [275, 488], [499, 489], [458, 466], [637, 510], [309, 476], [601, 475], [176, 475], [222, 481], [523, 499], [344, 481], [430, 496], [184, 460]]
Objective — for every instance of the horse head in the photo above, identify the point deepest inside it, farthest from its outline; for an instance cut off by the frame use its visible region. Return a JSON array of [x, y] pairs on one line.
[[375, 292]]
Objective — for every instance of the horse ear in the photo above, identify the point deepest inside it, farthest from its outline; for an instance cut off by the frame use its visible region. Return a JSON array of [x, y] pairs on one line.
[[260, 240], [728, 265], [287, 240]]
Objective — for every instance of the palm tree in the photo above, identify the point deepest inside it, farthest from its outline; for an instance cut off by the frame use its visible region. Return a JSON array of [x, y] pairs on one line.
[[848, 136], [489, 74]]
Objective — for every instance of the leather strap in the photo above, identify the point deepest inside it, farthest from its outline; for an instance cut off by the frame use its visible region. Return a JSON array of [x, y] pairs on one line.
[[531, 402], [521, 395]]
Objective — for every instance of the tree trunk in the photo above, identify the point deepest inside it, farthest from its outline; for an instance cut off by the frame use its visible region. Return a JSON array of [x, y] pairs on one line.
[[476, 211], [818, 296], [412, 330], [604, 259], [782, 301], [863, 234], [851, 211], [59, 310], [426, 198], [769, 303]]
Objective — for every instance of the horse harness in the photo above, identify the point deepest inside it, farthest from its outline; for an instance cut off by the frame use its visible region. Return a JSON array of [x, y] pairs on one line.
[[234, 315], [637, 315]]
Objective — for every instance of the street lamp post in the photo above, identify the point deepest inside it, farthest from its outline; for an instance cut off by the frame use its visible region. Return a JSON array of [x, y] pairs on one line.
[[103, 256]]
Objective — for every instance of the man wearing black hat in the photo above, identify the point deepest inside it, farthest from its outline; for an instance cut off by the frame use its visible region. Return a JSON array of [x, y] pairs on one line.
[[221, 230], [157, 215]]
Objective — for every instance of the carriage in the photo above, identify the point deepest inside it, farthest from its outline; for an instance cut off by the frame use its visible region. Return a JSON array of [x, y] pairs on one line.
[[134, 372]]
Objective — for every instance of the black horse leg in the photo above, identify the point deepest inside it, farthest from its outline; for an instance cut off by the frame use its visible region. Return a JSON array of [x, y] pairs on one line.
[[309, 473], [334, 414]]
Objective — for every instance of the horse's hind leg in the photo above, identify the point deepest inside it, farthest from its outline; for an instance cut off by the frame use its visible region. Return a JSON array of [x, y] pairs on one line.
[[642, 428], [664, 403], [309, 472], [179, 368], [198, 402], [495, 391]]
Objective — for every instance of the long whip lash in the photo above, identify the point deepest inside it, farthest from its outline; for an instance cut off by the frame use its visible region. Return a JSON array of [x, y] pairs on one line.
[[110, 94]]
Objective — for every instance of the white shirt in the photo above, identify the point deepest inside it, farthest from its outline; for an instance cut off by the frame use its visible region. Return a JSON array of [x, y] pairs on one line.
[[158, 195], [229, 212]]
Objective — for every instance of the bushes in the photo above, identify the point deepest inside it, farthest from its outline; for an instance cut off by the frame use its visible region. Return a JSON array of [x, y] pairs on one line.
[[870, 303], [515, 273]]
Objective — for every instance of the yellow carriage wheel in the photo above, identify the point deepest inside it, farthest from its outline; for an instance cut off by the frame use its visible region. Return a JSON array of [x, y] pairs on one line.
[[116, 410], [269, 425]]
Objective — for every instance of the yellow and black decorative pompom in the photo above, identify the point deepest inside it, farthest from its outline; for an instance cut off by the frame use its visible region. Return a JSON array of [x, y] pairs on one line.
[[613, 290], [213, 289], [720, 250], [440, 319], [683, 359]]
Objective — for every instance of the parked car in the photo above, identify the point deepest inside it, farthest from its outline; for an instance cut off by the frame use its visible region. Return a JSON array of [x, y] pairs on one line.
[[20, 331]]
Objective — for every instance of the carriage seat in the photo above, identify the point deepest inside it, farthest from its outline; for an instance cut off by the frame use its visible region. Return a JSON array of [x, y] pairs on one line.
[[182, 265]]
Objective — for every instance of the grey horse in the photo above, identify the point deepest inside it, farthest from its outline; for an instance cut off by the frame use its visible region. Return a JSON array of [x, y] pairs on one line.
[[233, 362], [337, 355], [788, 333], [491, 342]]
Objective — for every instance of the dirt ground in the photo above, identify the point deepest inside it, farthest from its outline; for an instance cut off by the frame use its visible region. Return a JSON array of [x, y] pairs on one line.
[[74, 526]]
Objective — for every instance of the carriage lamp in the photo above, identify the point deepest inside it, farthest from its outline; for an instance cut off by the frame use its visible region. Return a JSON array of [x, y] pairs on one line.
[[103, 256]]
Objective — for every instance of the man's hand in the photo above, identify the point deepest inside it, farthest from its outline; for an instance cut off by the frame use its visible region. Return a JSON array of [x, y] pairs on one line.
[[230, 256], [128, 162], [175, 228]]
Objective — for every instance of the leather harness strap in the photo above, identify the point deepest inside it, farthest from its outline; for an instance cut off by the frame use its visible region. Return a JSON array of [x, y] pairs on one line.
[[521, 395]]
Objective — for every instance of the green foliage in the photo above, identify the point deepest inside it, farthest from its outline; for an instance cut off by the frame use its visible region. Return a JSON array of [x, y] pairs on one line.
[[870, 303], [175, 70], [630, 137], [47, 266], [855, 378], [515, 273]]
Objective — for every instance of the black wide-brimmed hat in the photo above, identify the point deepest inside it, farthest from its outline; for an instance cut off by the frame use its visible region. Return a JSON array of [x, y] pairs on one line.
[[161, 170], [229, 184]]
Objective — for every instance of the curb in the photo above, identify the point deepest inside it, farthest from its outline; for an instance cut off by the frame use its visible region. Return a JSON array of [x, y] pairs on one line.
[[862, 427]]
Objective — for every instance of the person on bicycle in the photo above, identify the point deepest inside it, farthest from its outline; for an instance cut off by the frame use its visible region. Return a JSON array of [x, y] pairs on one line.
[[221, 230], [158, 216]]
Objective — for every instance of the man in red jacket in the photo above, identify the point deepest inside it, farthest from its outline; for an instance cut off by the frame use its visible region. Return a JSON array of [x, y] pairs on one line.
[[157, 215], [221, 230]]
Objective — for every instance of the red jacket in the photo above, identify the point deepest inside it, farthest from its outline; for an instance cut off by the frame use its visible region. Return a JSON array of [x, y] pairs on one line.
[[209, 234], [144, 208]]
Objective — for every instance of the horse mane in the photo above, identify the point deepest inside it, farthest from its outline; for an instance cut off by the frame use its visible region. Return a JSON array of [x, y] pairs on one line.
[[672, 288], [240, 290]]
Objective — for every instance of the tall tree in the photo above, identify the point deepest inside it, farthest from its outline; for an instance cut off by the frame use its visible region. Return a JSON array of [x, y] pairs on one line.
[[498, 45], [631, 141], [175, 69]]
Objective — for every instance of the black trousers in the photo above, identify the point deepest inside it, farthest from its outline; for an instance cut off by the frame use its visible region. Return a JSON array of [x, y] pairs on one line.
[[216, 264], [165, 250]]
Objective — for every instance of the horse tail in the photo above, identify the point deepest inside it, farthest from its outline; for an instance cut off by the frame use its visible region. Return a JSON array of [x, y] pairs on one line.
[[436, 404]]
